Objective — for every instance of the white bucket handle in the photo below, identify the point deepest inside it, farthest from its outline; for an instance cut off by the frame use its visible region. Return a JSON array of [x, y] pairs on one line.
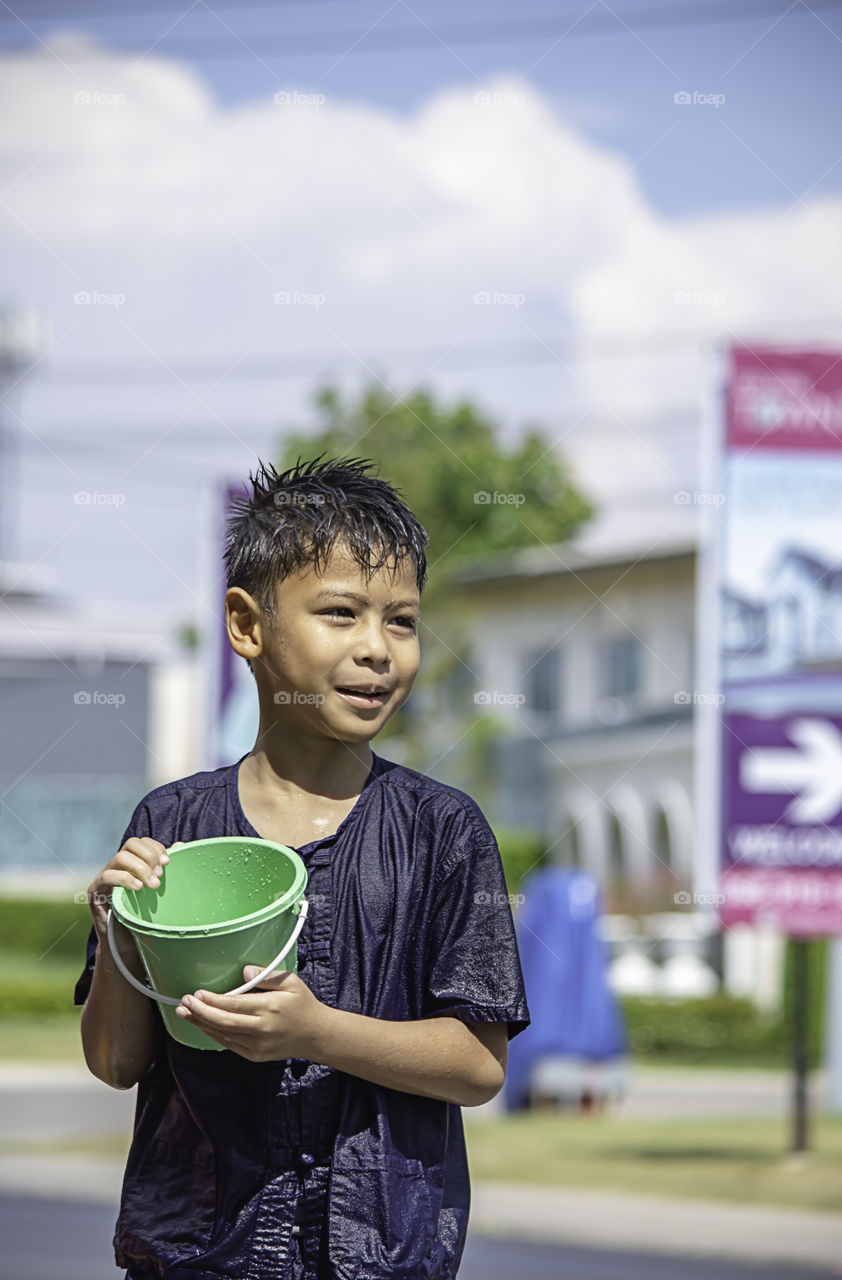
[[303, 908]]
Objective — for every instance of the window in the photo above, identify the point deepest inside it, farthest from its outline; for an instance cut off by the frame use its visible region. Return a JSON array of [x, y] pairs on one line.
[[616, 858], [457, 685], [620, 674], [542, 681]]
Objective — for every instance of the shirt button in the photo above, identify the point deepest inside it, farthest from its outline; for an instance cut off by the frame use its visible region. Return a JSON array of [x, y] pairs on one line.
[[306, 1158]]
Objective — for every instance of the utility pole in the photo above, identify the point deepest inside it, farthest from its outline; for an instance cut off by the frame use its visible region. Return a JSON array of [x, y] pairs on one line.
[[21, 341]]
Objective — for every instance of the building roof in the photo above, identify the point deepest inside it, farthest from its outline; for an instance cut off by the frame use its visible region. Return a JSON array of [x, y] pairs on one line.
[[611, 538], [38, 624]]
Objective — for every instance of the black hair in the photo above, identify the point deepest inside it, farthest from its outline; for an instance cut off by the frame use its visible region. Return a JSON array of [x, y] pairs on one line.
[[293, 519]]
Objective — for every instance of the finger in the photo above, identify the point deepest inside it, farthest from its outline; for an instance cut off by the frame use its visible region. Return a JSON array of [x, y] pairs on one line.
[[229, 1037], [246, 1006], [152, 852], [220, 1037], [147, 869], [273, 982], [117, 876], [146, 846], [223, 1019], [137, 869]]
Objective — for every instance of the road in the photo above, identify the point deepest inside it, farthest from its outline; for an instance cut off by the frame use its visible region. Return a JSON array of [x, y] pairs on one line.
[[62, 1240]]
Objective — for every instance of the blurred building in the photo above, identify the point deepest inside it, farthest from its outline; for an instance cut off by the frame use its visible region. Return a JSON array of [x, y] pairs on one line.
[[584, 654], [98, 703]]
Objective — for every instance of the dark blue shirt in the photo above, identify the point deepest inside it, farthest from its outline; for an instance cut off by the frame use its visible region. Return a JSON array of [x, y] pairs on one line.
[[409, 918]]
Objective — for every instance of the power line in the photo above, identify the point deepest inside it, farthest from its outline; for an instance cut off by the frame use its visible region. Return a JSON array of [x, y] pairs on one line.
[[94, 10], [376, 39], [457, 358]]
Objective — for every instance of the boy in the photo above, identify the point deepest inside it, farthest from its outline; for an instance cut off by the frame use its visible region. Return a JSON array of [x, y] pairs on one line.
[[326, 1140]]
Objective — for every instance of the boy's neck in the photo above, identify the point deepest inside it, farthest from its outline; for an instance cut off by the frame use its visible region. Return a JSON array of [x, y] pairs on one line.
[[328, 768]]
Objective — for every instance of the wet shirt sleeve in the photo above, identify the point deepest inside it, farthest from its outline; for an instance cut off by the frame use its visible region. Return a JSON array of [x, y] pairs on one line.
[[140, 825], [473, 965]]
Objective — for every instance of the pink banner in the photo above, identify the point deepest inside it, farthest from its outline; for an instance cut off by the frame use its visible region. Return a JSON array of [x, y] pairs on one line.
[[799, 901], [781, 399]]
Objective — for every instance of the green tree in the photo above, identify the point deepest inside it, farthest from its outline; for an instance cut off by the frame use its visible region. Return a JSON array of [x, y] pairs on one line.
[[449, 464], [474, 496]]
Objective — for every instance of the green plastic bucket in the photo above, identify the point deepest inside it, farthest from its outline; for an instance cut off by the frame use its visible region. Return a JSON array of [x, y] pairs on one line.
[[221, 904]]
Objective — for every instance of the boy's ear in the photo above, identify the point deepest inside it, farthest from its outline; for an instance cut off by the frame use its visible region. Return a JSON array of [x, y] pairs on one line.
[[243, 623]]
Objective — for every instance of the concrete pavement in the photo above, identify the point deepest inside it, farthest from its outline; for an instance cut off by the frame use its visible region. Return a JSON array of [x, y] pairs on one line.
[[47, 1239], [647, 1223]]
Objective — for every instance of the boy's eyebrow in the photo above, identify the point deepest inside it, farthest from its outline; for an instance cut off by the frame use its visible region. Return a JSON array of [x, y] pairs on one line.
[[334, 594]]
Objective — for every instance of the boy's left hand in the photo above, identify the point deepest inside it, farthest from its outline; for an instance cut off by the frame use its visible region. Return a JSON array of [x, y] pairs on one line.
[[279, 1019]]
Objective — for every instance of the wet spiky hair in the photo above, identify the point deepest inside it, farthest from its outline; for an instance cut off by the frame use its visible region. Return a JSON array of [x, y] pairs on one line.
[[293, 519]]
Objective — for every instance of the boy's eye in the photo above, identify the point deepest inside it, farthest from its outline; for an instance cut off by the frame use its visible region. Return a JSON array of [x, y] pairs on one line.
[[408, 622]]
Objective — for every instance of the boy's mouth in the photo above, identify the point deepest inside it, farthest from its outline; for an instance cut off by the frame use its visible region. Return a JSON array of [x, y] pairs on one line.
[[358, 698]]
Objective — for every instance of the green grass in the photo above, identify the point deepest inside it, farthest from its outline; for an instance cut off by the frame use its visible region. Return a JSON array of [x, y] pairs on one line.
[[53, 1038], [106, 1144], [41, 985], [740, 1161], [52, 969]]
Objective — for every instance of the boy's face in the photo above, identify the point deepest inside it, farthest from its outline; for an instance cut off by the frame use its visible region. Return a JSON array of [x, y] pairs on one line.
[[324, 641]]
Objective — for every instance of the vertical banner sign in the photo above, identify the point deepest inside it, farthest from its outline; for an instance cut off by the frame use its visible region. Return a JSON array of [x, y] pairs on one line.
[[780, 642], [237, 711]]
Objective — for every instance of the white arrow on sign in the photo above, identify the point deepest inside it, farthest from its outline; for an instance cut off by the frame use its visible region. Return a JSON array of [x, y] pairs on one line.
[[814, 770]]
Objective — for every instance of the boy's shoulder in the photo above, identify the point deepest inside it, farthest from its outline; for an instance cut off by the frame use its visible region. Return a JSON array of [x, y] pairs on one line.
[[448, 801], [202, 781], [401, 775], [167, 806]]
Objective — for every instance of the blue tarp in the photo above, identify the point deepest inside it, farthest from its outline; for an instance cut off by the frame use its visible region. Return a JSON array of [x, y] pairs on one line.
[[574, 1012]]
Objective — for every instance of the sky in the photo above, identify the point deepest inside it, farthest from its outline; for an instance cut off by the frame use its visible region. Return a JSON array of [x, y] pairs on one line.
[[557, 215]]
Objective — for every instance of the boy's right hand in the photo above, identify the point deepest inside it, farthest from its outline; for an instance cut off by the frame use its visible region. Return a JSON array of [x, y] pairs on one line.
[[140, 862]]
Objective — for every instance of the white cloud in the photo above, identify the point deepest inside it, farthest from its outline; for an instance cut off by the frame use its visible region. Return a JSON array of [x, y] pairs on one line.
[[199, 213]]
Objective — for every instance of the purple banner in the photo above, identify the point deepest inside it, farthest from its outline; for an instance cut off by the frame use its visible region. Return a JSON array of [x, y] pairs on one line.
[[780, 642]]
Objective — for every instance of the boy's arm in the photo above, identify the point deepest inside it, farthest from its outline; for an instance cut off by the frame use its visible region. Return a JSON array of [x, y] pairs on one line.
[[121, 1029], [443, 1057], [437, 1057]]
